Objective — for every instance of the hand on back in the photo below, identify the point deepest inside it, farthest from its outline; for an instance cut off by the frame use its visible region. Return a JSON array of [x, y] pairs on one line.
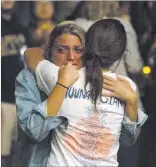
[[119, 88]]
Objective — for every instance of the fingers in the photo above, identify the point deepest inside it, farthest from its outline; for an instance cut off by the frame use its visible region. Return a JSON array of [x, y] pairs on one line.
[[113, 79], [109, 78], [62, 66], [110, 94], [70, 62], [109, 87], [108, 82], [121, 79], [69, 65]]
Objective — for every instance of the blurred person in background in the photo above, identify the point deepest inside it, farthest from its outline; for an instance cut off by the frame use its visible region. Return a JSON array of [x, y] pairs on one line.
[[147, 152], [42, 24], [23, 16], [63, 9], [12, 40], [143, 17], [143, 14]]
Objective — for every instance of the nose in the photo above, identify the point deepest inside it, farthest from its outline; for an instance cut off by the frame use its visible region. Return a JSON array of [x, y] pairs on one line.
[[71, 56]]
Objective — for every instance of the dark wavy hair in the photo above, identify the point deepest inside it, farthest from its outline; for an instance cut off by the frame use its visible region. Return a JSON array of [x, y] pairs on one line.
[[105, 43]]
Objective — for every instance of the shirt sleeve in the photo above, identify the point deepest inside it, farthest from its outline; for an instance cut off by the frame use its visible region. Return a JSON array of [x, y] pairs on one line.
[[46, 76], [31, 111]]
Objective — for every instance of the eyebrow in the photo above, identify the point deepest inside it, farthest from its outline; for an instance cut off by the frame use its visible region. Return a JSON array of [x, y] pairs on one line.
[[63, 46], [66, 46]]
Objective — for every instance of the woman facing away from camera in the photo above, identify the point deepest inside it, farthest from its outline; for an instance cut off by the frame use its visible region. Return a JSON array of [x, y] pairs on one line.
[[82, 120]]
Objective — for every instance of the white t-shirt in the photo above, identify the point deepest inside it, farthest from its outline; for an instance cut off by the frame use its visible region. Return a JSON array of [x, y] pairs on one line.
[[91, 138]]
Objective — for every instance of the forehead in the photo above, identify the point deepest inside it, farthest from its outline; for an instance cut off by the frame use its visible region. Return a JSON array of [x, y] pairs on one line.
[[68, 39]]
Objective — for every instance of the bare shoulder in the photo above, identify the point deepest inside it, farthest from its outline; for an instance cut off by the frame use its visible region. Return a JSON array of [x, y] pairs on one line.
[[33, 51]]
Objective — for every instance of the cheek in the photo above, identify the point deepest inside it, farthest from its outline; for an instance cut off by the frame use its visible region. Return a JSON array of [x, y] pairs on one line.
[[79, 61], [59, 59], [78, 58]]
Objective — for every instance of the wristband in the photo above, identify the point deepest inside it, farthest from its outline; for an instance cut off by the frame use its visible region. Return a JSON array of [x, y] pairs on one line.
[[61, 85]]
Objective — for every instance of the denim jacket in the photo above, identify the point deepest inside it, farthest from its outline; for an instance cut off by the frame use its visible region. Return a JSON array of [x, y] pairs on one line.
[[35, 128]]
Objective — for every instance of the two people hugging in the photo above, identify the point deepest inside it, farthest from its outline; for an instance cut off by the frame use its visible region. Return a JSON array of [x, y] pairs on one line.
[[72, 109]]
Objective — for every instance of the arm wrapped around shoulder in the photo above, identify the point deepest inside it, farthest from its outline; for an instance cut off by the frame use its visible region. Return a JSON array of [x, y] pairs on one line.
[[31, 111]]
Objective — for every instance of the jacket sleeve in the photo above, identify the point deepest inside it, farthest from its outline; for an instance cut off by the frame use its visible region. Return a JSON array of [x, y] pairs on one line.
[[31, 110], [131, 130]]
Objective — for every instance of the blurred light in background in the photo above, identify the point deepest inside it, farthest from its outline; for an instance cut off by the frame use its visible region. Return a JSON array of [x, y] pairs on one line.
[[146, 70]]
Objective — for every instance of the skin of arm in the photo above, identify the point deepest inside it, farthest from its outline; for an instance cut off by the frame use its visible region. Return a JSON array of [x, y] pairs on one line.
[[68, 74], [55, 100], [32, 57], [131, 108], [120, 88], [31, 114]]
